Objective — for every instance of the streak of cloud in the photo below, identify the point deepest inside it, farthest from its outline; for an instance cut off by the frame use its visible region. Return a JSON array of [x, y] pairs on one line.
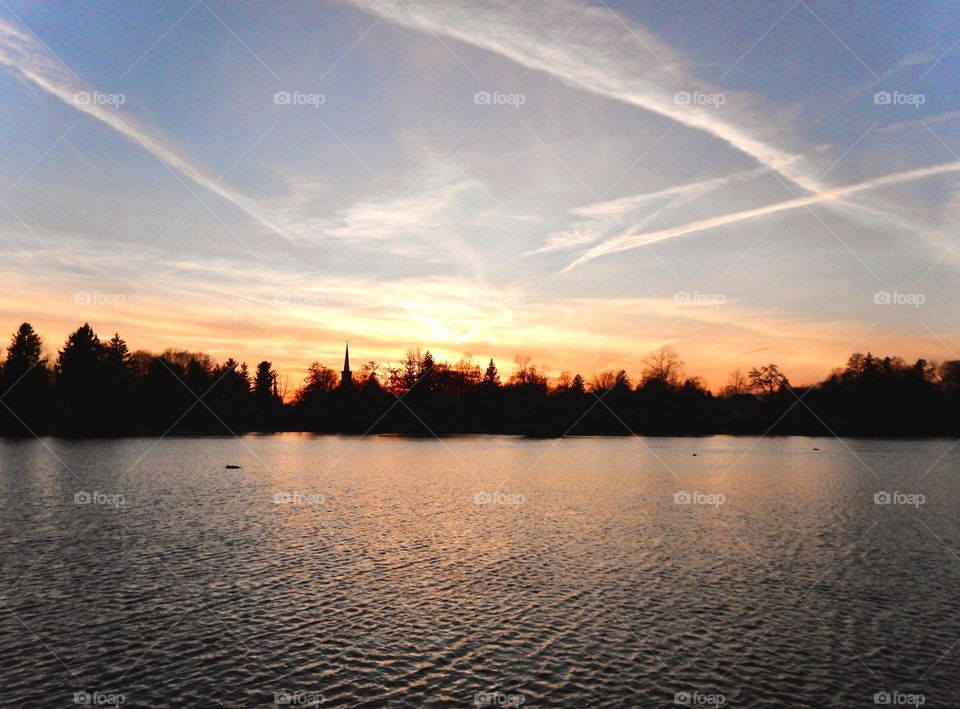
[[594, 55], [26, 58], [597, 219], [634, 241]]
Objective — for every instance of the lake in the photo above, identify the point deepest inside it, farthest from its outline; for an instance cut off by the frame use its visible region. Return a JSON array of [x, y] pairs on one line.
[[484, 571]]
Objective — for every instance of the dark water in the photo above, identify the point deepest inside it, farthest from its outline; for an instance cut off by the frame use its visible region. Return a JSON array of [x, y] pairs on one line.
[[365, 573]]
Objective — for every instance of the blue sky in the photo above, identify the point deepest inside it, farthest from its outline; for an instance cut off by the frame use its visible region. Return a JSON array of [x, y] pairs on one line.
[[723, 178]]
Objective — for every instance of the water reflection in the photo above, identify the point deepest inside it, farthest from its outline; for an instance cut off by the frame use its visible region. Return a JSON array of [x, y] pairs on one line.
[[423, 573]]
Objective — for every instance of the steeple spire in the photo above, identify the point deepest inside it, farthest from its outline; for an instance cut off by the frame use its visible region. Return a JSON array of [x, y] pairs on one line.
[[346, 377]]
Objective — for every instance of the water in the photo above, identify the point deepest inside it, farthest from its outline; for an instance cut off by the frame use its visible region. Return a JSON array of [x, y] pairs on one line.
[[362, 572]]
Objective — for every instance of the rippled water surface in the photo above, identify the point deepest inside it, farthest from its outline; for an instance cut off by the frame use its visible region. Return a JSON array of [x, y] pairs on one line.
[[388, 571]]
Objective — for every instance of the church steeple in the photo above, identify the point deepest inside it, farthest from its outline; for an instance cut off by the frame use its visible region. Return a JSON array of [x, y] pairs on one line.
[[346, 376]]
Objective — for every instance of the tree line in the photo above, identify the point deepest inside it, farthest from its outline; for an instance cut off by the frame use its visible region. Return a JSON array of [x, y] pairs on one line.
[[100, 388]]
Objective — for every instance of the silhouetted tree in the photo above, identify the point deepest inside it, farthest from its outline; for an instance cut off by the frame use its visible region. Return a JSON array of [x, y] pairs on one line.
[[117, 394], [265, 385], [578, 385], [603, 382], [25, 385], [370, 377], [116, 353], [662, 368], [81, 380], [229, 396], [97, 388], [767, 380], [491, 377], [737, 384]]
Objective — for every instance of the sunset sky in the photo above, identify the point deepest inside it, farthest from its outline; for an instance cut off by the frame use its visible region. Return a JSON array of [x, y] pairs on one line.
[[580, 182]]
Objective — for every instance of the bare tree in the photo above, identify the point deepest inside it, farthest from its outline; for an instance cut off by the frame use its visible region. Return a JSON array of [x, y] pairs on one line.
[[736, 384], [602, 382], [662, 366]]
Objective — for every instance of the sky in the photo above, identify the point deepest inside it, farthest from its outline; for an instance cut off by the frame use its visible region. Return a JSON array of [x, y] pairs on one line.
[[582, 183]]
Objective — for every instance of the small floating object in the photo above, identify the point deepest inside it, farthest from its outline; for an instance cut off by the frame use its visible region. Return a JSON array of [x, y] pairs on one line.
[[694, 455], [232, 467], [816, 449]]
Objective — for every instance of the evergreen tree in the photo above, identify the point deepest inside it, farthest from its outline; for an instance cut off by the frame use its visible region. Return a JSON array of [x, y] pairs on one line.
[[81, 380], [25, 384], [116, 353], [491, 378], [578, 385]]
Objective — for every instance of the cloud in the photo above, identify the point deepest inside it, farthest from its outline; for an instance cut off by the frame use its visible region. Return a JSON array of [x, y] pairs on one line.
[[931, 121], [634, 241], [294, 318], [32, 63], [591, 48], [599, 218]]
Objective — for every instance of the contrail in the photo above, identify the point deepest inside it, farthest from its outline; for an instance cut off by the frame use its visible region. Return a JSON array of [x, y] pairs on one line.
[[634, 241], [591, 61], [599, 217], [23, 55]]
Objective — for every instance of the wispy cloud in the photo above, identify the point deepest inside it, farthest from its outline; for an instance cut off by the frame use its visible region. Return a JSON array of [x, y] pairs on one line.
[[32, 63], [597, 220], [634, 240], [919, 122], [592, 49]]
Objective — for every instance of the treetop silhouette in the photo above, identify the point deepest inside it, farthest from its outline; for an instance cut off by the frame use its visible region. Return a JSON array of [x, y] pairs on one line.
[[102, 388]]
